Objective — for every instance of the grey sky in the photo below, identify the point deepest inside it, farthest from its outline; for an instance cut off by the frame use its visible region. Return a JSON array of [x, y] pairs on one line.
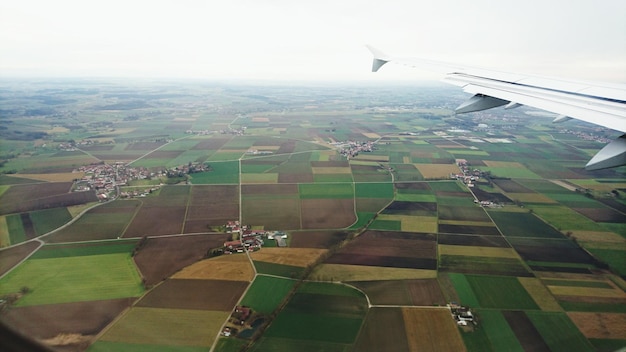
[[321, 39]]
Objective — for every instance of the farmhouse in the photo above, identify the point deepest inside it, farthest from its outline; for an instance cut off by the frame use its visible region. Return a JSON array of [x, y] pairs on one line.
[[462, 315]]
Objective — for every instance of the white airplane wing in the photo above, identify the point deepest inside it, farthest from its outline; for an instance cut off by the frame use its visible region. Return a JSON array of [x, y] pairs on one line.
[[603, 104]]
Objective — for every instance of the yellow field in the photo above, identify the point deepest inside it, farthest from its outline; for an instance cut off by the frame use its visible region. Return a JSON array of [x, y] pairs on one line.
[[372, 157], [599, 236], [331, 170], [266, 147], [259, 178], [342, 272], [169, 327], [75, 210], [413, 223], [531, 198], [507, 164], [466, 223], [491, 252], [288, 256], [431, 329], [586, 291], [437, 170], [58, 129], [564, 185], [4, 232], [371, 135], [600, 325], [540, 294], [54, 177], [235, 267], [260, 119]]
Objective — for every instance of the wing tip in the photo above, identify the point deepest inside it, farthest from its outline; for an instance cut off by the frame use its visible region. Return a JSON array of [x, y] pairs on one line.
[[380, 58]]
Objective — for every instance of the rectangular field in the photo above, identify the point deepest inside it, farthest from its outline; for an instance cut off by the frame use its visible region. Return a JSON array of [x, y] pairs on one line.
[[154, 326], [72, 279]]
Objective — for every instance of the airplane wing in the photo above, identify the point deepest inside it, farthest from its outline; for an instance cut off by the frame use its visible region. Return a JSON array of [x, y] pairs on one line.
[[603, 104]]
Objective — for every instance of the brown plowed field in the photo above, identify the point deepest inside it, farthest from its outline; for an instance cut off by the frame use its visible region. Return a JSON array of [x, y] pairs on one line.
[[471, 240], [413, 185], [161, 257], [412, 249], [154, 221], [385, 261], [226, 267], [462, 213], [50, 320], [510, 186], [144, 145], [389, 249], [214, 211], [421, 292], [316, 239], [327, 213], [214, 195], [11, 256], [273, 214], [431, 329], [603, 215], [221, 295], [600, 325], [554, 254], [525, 331], [288, 256], [19, 193], [383, 330]]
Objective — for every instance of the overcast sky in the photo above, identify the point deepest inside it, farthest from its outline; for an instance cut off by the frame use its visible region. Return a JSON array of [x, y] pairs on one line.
[[304, 40]]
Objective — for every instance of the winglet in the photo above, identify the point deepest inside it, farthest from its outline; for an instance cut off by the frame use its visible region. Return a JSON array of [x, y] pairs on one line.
[[379, 58], [612, 155]]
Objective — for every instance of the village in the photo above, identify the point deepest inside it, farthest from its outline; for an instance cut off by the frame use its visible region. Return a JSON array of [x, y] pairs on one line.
[[105, 178], [246, 239], [351, 149]]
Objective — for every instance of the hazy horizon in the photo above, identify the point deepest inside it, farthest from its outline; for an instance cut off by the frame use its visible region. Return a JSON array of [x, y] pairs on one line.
[[278, 40]]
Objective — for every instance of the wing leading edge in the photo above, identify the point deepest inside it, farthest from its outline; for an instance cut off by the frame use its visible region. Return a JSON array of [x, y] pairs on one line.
[[602, 104]]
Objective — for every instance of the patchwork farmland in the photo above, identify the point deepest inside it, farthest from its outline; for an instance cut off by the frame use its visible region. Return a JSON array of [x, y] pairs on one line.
[[373, 217]]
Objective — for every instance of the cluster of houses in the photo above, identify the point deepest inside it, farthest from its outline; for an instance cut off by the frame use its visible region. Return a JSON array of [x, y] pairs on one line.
[[462, 315], [248, 239], [351, 149], [466, 175], [104, 178], [238, 318]]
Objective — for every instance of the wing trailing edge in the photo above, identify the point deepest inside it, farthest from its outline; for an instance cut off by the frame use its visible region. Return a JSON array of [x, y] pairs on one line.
[[598, 103]]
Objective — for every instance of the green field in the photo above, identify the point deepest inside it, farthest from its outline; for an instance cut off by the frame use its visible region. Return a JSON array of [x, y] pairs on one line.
[[463, 289], [266, 293], [288, 271], [523, 225], [15, 228], [63, 251], [325, 191], [49, 219], [314, 326], [501, 292], [74, 279], [222, 172], [476, 264], [374, 190], [498, 332], [107, 346]]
